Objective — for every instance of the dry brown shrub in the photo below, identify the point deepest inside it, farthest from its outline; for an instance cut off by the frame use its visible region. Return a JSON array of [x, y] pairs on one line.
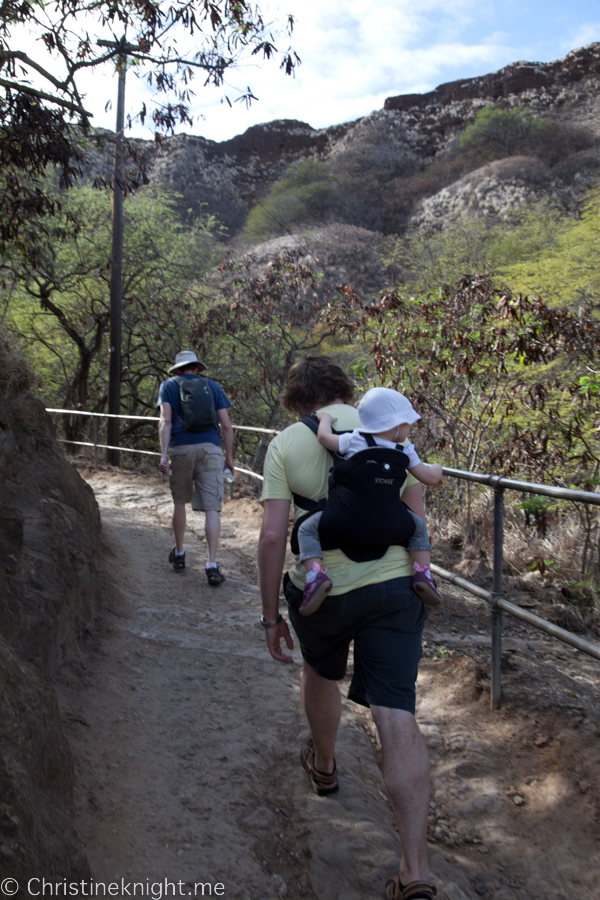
[[16, 375], [548, 567]]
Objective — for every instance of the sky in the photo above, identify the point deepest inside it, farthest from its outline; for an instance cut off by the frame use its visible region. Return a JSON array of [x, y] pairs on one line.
[[356, 53]]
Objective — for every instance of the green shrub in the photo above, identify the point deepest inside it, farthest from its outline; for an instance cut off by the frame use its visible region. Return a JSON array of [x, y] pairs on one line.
[[306, 195], [498, 132], [504, 132]]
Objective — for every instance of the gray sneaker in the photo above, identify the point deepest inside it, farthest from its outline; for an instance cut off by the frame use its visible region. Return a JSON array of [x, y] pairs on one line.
[[214, 575], [178, 562]]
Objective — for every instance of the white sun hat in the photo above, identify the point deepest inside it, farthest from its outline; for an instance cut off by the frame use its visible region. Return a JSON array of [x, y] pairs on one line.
[[382, 408], [186, 358]]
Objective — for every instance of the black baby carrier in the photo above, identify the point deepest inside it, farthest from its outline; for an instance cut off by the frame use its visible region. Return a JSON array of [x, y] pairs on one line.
[[363, 513]]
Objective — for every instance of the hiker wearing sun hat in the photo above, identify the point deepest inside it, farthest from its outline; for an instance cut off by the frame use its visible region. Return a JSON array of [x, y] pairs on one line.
[[385, 420], [191, 410]]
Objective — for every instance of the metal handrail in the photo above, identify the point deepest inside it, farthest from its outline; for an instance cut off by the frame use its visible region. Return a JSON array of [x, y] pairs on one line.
[[550, 628], [526, 487], [496, 599]]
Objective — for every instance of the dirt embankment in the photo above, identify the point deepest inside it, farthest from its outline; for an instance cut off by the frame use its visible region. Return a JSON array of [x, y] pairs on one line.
[[49, 538], [186, 738]]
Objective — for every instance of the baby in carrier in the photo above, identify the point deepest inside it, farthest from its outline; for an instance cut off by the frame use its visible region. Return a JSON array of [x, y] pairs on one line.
[[386, 417]]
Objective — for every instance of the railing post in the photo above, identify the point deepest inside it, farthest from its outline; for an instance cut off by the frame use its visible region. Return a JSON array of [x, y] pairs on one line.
[[497, 594]]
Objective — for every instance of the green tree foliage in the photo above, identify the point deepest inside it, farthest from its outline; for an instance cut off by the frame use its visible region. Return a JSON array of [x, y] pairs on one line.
[[425, 260], [498, 376], [58, 309], [262, 321], [561, 262], [498, 132], [504, 382], [504, 132], [306, 195], [538, 251]]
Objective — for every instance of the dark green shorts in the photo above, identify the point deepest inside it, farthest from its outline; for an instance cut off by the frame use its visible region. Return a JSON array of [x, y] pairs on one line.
[[384, 620]]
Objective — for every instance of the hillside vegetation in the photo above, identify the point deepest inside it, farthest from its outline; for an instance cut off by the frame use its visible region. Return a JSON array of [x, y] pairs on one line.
[[451, 251], [378, 183]]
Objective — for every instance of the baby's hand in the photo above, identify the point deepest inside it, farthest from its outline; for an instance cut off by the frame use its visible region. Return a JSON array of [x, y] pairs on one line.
[[325, 417], [437, 473]]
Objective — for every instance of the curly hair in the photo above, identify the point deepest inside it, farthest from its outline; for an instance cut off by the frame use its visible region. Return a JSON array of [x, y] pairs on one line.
[[316, 380]]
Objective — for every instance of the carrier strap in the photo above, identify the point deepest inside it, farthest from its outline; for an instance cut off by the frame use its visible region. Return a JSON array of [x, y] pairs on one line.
[[312, 422], [306, 503]]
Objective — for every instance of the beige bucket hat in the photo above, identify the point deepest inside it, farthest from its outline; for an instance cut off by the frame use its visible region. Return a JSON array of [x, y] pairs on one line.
[[186, 358]]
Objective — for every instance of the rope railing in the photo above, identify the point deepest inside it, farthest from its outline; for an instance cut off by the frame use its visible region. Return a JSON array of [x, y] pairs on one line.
[[96, 446], [83, 412], [108, 447], [495, 598]]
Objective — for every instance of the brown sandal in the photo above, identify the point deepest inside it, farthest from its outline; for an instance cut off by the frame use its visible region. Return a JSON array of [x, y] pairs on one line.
[[322, 783], [416, 890]]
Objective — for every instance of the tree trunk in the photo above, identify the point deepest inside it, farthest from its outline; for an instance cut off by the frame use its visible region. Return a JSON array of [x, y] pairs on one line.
[[77, 427]]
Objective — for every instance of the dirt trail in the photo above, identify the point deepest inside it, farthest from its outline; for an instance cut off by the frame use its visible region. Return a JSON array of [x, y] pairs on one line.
[[186, 737]]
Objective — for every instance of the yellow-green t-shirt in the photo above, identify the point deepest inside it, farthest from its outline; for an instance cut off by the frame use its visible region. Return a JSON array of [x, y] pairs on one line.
[[296, 463]]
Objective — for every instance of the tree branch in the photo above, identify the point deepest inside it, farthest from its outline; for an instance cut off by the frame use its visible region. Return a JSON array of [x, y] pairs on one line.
[[46, 303], [18, 54], [42, 95]]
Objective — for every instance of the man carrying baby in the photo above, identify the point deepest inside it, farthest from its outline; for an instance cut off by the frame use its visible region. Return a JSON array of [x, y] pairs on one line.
[[371, 603], [385, 420]]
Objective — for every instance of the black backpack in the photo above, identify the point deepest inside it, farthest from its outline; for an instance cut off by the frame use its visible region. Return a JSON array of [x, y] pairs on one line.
[[197, 404], [363, 513]]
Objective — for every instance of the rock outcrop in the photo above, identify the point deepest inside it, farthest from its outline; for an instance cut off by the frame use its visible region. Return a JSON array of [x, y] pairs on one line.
[[345, 254], [521, 79], [49, 540], [496, 190], [410, 133], [49, 534]]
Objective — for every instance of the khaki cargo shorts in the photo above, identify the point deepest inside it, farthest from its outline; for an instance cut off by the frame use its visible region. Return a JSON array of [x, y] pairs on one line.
[[199, 466]]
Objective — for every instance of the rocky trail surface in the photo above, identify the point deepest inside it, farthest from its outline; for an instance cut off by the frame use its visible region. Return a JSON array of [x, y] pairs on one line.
[[186, 738]]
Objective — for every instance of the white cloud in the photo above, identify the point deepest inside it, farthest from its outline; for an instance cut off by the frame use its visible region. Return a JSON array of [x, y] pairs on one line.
[[355, 54], [581, 36]]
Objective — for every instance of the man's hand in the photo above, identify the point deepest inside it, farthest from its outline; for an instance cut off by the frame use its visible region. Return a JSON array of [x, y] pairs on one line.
[[273, 638], [227, 432], [164, 464], [271, 556]]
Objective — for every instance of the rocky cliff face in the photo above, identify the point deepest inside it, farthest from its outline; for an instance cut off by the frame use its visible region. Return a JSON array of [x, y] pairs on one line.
[[409, 134], [552, 82], [49, 534], [49, 541]]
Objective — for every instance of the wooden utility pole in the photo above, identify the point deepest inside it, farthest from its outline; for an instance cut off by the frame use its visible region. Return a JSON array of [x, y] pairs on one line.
[[116, 263]]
